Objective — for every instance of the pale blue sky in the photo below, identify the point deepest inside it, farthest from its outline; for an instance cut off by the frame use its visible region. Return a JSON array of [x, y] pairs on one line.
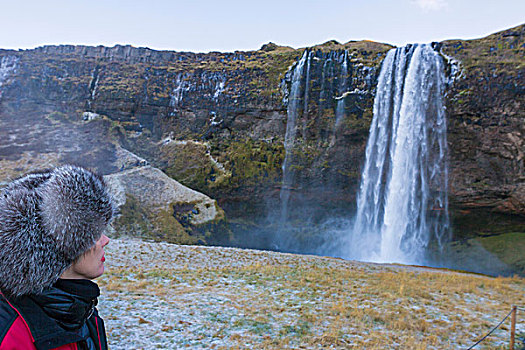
[[229, 25]]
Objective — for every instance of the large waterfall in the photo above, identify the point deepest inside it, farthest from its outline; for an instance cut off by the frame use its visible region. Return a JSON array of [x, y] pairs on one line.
[[402, 205]]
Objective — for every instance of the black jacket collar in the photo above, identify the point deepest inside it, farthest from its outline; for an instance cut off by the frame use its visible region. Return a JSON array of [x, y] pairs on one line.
[[68, 302]]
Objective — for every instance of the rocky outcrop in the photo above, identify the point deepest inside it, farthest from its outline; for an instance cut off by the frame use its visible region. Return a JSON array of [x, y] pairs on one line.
[[154, 205], [235, 103]]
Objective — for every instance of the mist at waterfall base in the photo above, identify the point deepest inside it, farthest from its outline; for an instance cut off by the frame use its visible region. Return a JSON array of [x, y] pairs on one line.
[[401, 210]]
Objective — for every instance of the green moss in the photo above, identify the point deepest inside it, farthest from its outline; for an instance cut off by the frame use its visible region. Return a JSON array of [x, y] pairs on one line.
[[158, 224], [190, 164], [509, 248], [358, 124], [133, 219], [502, 51], [369, 53], [305, 154], [470, 223], [169, 229], [251, 161], [58, 117], [116, 130]]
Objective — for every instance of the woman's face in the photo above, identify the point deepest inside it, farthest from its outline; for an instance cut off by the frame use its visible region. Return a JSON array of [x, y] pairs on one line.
[[91, 264]]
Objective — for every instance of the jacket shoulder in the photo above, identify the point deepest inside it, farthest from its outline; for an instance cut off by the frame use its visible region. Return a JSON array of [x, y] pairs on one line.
[[14, 333]]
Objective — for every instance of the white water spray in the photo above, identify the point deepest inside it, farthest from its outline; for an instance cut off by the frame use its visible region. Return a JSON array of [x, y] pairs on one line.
[[403, 203]]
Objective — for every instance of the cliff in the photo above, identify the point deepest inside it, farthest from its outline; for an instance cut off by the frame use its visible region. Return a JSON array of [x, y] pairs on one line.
[[216, 123], [487, 121]]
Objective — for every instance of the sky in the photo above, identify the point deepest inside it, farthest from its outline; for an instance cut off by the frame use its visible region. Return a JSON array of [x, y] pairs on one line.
[[229, 25]]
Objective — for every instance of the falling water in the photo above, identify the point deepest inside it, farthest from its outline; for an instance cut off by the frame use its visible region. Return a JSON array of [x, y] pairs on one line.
[[306, 89], [181, 86], [293, 111], [403, 203], [93, 86], [211, 85], [327, 75], [219, 88], [340, 108], [7, 67]]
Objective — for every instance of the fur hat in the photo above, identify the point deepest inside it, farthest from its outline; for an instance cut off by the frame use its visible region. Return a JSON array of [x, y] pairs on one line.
[[47, 220]]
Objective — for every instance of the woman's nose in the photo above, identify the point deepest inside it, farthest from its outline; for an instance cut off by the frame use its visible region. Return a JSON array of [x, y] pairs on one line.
[[105, 240]]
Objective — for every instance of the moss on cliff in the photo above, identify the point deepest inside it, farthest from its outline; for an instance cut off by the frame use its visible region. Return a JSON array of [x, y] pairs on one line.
[[157, 224], [485, 120], [369, 53], [172, 228], [274, 66], [489, 66], [132, 219], [508, 248], [57, 118], [188, 163], [250, 162], [503, 49]]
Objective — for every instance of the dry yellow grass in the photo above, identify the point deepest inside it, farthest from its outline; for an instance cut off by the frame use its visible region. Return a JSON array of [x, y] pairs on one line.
[[278, 301]]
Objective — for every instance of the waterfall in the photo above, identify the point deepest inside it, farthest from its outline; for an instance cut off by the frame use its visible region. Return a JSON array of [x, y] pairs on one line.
[[93, 86], [293, 112], [340, 108], [306, 89], [327, 75], [181, 86], [211, 86], [219, 88], [402, 204], [7, 67]]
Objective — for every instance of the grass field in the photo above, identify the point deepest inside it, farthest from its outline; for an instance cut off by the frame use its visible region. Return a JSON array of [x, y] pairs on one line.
[[157, 295]]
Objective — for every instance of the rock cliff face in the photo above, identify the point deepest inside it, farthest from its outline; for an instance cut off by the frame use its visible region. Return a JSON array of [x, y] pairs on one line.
[[485, 106], [486, 132], [217, 122]]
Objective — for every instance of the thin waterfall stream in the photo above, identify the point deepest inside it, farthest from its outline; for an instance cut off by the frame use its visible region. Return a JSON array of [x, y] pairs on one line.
[[291, 131], [7, 67]]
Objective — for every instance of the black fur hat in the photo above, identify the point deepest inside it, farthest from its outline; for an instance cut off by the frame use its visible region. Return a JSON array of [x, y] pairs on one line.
[[47, 220]]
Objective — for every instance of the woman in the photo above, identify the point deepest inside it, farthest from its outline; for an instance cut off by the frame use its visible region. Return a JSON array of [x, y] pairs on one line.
[[51, 247]]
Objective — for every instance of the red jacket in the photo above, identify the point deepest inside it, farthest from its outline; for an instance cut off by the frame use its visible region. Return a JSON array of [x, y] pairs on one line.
[[24, 326]]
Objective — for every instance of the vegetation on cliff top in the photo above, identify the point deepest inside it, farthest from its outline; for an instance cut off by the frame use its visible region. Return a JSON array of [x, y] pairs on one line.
[[490, 66], [502, 48]]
